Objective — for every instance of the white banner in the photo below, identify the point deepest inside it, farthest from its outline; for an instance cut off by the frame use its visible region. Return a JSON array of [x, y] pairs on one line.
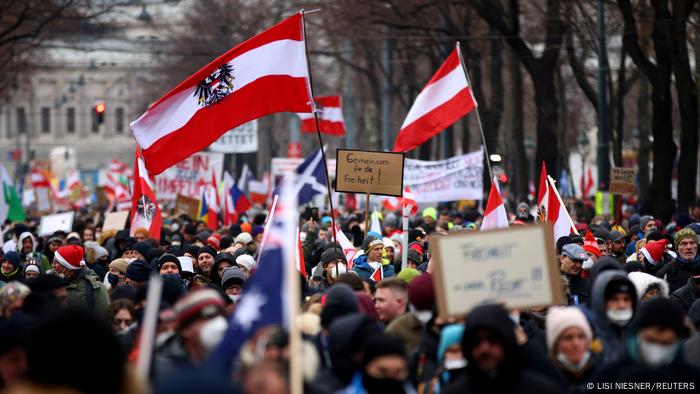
[[456, 178], [242, 139], [189, 177], [281, 166]]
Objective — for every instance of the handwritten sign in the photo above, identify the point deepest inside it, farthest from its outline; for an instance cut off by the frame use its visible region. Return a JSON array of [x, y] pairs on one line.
[[58, 222], [190, 176], [456, 178], [514, 265], [623, 180], [369, 172], [187, 206], [115, 221]]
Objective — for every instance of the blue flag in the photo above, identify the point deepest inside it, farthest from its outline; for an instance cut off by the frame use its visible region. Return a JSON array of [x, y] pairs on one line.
[[309, 179]]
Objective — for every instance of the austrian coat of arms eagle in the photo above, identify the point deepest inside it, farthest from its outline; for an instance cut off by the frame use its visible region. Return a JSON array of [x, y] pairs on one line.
[[216, 86]]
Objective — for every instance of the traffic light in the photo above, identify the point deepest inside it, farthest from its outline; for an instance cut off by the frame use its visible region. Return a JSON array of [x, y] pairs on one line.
[[100, 112]]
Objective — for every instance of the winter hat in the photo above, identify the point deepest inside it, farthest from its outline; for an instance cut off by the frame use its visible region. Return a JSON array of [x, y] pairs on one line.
[[11, 292], [169, 258], [153, 255], [618, 235], [653, 251], [330, 254], [617, 286], [643, 221], [32, 268], [99, 252], [450, 335], [202, 236], [225, 256], [13, 258], [421, 292], [246, 260], [198, 304], [661, 312], [414, 256], [73, 235], [416, 235], [142, 247], [243, 238], [561, 318], [590, 245], [684, 234], [408, 274], [208, 250], [246, 227], [338, 300], [633, 266], [430, 212], [391, 221], [119, 265], [138, 271], [70, 256], [382, 345], [387, 242], [214, 241], [603, 234], [232, 276], [123, 292], [644, 282], [377, 243]]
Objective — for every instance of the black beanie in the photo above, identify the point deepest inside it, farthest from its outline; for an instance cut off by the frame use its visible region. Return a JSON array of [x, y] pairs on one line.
[[382, 345], [138, 271], [330, 255], [142, 247], [225, 242], [154, 254], [617, 286], [167, 257], [661, 312], [339, 300], [208, 250], [193, 250]]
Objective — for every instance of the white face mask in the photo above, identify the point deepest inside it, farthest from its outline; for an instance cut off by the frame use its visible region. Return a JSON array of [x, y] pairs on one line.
[[455, 364], [587, 264], [423, 316], [656, 355], [106, 283], [212, 332], [235, 297], [619, 317], [339, 269], [571, 366]]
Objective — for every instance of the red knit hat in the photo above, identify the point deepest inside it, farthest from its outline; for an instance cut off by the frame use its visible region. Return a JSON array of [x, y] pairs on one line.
[[654, 250], [70, 256], [421, 293], [590, 245]]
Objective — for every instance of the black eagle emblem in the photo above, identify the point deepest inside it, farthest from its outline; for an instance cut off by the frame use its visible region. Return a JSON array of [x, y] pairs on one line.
[[215, 87]]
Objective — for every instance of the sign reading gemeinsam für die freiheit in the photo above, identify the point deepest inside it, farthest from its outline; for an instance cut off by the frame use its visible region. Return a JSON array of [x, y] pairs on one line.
[[515, 266], [360, 171]]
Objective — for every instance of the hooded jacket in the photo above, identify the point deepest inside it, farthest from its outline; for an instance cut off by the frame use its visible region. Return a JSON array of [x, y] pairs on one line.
[[511, 375], [643, 281], [43, 261]]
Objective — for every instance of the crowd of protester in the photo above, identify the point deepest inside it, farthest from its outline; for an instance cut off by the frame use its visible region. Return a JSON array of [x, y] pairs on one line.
[[71, 307]]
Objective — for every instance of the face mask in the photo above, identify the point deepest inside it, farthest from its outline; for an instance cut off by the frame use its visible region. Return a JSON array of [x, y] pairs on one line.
[[173, 276], [656, 355], [212, 332], [587, 264], [619, 317], [455, 364], [571, 366], [235, 297], [423, 316], [339, 269], [515, 317], [374, 385], [112, 279]]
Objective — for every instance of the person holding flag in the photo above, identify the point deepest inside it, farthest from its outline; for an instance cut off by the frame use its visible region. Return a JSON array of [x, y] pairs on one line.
[[371, 265]]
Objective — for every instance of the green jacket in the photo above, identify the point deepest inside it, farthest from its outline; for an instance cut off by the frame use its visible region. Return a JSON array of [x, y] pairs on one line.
[[78, 292]]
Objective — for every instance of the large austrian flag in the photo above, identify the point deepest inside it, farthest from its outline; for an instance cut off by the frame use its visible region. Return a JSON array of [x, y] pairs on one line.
[[330, 117], [263, 75], [445, 99]]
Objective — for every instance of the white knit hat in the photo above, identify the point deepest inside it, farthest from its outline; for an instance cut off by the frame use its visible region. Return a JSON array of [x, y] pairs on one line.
[[561, 318]]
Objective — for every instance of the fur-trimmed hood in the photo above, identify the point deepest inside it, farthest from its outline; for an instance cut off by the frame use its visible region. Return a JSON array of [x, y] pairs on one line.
[[642, 281]]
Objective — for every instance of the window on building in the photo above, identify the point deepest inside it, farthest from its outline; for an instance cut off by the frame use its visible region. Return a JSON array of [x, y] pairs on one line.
[[21, 120], [95, 122], [45, 120], [70, 120], [119, 126]]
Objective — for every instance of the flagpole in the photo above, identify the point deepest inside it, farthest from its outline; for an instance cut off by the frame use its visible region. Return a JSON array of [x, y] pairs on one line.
[[476, 107], [561, 202], [318, 130]]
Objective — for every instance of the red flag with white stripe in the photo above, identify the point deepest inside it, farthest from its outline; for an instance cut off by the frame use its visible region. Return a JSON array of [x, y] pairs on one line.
[[263, 75], [558, 215], [397, 203], [330, 117], [543, 194], [348, 250], [144, 207], [495, 215], [445, 99]]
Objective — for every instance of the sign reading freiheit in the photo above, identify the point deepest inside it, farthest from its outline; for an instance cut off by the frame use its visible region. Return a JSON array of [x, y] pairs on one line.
[[369, 172]]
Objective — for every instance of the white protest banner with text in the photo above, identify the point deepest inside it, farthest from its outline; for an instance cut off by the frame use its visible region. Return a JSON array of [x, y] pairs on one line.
[[189, 177], [242, 139], [456, 178]]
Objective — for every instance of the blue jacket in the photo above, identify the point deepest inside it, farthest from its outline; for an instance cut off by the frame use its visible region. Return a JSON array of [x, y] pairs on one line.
[[364, 270]]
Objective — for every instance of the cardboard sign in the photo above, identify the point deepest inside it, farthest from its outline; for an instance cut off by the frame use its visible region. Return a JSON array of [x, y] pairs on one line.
[[456, 178], [58, 222], [623, 180], [115, 221], [514, 265], [186, 205], [242, 139], [190, 176], [43, 199], [360, 171]]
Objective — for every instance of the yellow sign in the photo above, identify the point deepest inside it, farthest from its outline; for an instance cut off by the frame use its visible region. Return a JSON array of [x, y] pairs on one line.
[[359, 171]]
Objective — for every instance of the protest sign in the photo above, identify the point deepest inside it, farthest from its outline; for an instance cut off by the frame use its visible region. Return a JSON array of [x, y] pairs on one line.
[[43, 199], [115, 221], [623, 180], [190, 176], [58, 222], [242, 139], [456, 178], [370, 172], [514, 265], [187, 206]]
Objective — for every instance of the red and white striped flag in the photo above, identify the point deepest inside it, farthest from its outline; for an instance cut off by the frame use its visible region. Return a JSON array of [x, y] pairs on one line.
[[345, 243], [330, 117], [495, 215], [446, 98], [144, 207], [397, 203], [377, 275], [263, 75], [543, 195], [557, 214]]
